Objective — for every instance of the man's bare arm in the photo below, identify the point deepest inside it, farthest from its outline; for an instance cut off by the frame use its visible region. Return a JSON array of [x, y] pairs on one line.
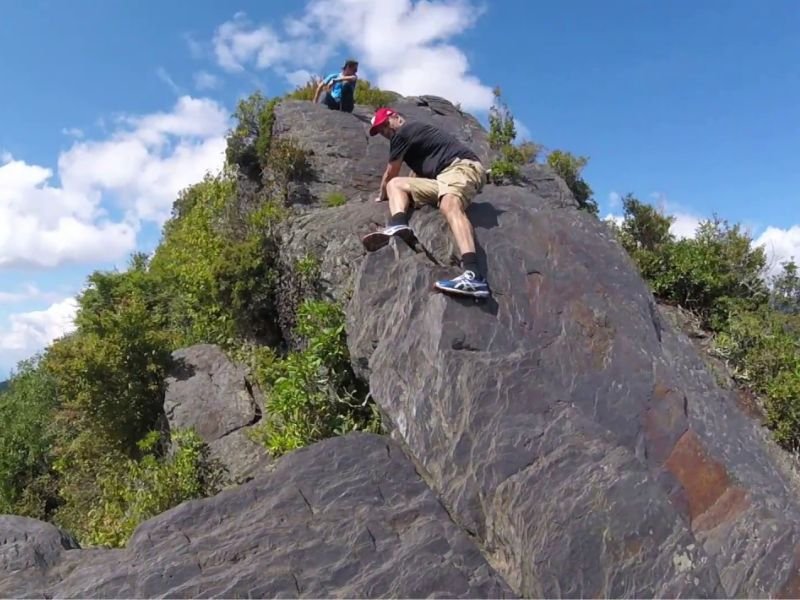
[[392, 169]]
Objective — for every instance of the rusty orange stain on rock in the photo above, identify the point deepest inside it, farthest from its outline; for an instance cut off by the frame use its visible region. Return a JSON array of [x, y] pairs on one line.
[[663, 422], [730, 504], [706, 483]]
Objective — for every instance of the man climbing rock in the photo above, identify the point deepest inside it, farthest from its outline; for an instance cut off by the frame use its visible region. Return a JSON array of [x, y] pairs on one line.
[[340, 92], [448, 175]]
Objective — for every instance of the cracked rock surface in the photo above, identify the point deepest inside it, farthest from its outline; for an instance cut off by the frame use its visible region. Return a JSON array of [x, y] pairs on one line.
[[208, 392], [347, 517], [565, 424], [562, 439]]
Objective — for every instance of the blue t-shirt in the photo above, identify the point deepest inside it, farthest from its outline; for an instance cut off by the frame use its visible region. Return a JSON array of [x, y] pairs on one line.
[[336, 91]]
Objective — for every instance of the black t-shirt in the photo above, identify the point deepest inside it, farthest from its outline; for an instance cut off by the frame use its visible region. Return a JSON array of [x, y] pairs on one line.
[[427, 149]]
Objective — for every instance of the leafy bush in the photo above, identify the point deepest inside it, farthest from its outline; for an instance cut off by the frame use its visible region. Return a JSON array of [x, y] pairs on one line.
[[311, 393], [569, 168], [762, 348], [335, 199], [26, 438], [288, 164], [644, 229], [246, 277], [719, 276], [712, 273], [249, 143], [186, 265], [368, 95], [785, 295], [134, 490], [305, 91], [110, 375], [502, 133], [364, 94]]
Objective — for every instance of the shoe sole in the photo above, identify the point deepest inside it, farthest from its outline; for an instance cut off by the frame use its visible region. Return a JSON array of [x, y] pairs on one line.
[[377, 239], [462, 292]]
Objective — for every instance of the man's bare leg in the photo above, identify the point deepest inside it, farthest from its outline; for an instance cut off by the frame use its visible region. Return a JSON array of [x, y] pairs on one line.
[[399, 195], [460, 225]]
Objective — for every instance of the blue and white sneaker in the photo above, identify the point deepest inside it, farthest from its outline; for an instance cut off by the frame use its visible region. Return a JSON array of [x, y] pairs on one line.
[[378, 239], [466, 284]]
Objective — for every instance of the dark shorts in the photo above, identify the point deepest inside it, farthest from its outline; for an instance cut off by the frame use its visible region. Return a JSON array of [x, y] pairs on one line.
[[346, 103]]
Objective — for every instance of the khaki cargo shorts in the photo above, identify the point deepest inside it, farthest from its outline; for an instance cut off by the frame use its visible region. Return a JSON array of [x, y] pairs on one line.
[[463, 178]]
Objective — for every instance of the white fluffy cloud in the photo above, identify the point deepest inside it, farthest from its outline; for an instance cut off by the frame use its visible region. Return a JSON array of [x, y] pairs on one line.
[[45, 226], [237, 42], [405, 44], [29, 332], [27, 292], [142, 166], [204, 80], [685, 225], [780, 245]]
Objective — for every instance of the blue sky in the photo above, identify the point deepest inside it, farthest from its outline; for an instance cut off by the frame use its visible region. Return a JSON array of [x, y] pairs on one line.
[[108, 108]]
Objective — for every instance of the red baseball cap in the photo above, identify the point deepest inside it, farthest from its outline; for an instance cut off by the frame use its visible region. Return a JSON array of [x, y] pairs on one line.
[[379, 118]]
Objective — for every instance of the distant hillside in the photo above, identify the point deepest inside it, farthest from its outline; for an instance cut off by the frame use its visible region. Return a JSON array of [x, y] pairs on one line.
[[3, 385]]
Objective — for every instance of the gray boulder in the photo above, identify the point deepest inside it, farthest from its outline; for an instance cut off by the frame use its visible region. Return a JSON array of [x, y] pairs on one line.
[[212, 395], [29, 549], [347, 517]]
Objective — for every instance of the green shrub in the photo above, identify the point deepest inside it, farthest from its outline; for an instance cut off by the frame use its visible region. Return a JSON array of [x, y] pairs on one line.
[[364, 94], [187, 262], [26, 439], [248, 144], [134, 490], [762, 348], [110, 374], [719, 276], [371, 96], [510, 157], [246, 276], [785, 295], [501, 136], [569, 168], [711, 274], [305, 91], [311, 393], [335, 199], [288, 163], [644, 229]]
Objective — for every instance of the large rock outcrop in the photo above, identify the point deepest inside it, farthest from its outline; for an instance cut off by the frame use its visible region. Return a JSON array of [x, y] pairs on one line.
[[564, 423], [566, 439]]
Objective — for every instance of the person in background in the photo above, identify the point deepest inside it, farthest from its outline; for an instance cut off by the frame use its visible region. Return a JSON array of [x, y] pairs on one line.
[[337, 90]]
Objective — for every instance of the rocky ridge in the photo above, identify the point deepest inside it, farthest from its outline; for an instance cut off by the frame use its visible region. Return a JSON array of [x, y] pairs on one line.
[[563, 439]]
